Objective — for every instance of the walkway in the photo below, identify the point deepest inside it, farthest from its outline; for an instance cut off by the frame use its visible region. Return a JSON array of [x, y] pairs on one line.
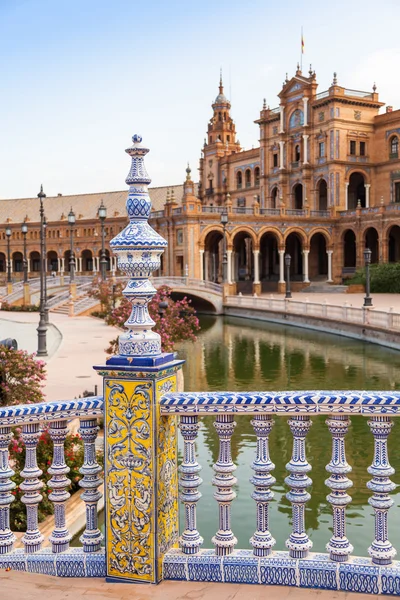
[[379, 301], [70, 368], [15, 584]]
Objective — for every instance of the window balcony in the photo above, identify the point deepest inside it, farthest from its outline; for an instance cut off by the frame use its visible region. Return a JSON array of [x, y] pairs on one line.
[[393, 155]]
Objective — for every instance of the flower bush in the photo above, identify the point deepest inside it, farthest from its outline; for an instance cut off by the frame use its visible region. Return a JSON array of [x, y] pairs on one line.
[[21, 308], [21, 377], [384, 278], [73, 449], [178, 321]]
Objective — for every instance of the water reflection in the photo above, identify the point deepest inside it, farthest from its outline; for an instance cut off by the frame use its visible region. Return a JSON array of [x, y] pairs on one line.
[[237, 354]]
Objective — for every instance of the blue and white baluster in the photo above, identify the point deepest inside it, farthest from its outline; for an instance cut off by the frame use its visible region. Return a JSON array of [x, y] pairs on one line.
[[298, 543], [262, 541], [190, 540], [92, 537], [381, 550], [339, 547], [7, 538], [59, 482], [31, 487], [224, 540]]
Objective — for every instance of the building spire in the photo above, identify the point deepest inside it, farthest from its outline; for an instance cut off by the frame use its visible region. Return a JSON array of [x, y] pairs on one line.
[[221, 86], [188, 172]]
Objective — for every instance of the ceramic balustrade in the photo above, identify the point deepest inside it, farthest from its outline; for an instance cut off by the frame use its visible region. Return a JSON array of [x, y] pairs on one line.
[[37, 553], [336, 569]]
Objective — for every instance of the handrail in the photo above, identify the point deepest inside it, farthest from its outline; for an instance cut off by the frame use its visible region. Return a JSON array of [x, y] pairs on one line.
[[306, 402], [51, 411], [188, 282]]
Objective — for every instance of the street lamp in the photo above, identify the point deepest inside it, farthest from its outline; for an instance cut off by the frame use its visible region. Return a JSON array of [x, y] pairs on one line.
[[288, 258], [24, 229], [224, 222], [367, 262], [46, 306], [71, 221], [42, 328], [8, 234], [102, 213]]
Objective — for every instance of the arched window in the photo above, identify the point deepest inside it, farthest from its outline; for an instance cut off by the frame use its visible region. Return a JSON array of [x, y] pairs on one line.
[[297, 153], [257, 176], [219, 117], [394, 147], [248, 178], [239, 180], [274, 198], [210, 139]]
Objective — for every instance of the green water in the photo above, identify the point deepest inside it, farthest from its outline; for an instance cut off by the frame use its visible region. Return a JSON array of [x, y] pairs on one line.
[[237, 354]]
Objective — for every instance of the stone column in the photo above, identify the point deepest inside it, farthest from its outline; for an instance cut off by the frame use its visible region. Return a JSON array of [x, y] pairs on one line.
[[141, 475], [347, 197], [367, 188], [305, 265], [256, 282], [201, 271], [305, 108], [281, 266], [329, 253], [206, 265], [229, 274], [281, 123], [281, 156], [305, 147]]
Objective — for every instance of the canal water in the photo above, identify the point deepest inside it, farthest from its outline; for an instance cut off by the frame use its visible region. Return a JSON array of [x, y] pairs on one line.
[[240, 354]]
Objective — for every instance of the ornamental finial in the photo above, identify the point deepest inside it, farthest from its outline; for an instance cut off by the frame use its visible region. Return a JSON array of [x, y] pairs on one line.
[[138, 248], [188, 172]]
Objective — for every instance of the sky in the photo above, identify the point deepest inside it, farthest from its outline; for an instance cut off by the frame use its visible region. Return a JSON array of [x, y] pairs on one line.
[[80, 77]]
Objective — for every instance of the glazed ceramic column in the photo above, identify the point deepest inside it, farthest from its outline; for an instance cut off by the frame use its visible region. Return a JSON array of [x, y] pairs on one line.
[[7, 538], [224, 540], [229, 265], [281, 266], [59, 484], [305, 265], [262, 541], [190, 540], [298, 543], [141, 470], [31, 486], [339, 547], [92, 537], [381, 550], [329, 253]]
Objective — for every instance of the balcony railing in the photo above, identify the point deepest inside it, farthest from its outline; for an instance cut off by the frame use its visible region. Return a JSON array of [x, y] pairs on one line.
[[320, 213], [270, 211], [296, 212], [212, 209], [157, 214], [242, 210], [358, 94], [393, 155]]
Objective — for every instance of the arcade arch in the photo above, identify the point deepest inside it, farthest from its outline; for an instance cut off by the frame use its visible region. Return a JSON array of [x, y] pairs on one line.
[[371, 239], [394, 244]]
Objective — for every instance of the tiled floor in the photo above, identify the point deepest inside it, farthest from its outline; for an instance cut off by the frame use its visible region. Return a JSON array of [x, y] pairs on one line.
[[37, 587]]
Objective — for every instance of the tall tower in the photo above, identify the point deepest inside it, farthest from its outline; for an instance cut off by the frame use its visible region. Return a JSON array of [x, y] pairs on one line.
[[220, 143]]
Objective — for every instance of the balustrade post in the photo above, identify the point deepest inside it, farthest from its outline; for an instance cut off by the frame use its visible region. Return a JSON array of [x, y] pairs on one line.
[[32, 538], [7, 538], [298, 543], [59, 483], [190, 540], [381, 550], [92, 537], [224, 540], [262, 541], [339, 547]]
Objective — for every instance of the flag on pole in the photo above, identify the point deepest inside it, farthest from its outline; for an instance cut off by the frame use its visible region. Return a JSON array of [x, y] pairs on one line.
[[302, 42]]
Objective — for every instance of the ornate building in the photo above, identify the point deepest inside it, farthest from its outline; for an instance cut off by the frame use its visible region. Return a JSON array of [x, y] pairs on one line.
[[323, 184]]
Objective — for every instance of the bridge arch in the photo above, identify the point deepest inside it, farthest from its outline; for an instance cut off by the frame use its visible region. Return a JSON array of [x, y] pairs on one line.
[[206, 296]]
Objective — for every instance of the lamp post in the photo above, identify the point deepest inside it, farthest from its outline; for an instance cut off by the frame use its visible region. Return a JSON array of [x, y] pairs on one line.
[[288, 258], [367, 262], [71, 221], [24, 229], [8, 234], [42, 328], [46, 306], [224, 222], [102, 213]]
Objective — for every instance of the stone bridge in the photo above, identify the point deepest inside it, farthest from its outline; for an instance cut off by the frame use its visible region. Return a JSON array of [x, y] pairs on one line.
[[205, 295]]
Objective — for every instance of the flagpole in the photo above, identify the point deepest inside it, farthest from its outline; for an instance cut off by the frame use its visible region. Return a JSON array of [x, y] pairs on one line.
[[301, 50]]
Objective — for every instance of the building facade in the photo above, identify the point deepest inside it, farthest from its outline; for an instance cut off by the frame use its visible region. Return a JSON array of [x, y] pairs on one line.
[[323, 185]]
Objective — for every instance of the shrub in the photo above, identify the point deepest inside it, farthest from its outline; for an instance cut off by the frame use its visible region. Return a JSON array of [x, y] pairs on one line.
[[21, 377], [384, 278], [178, 322], [22, 308], [73, 449]]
